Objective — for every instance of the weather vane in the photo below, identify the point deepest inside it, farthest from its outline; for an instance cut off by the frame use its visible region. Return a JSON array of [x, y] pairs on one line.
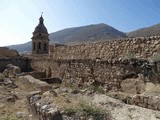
[[41, 13]]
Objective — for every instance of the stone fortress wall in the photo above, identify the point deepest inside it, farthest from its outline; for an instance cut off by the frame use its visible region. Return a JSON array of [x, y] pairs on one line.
[[8, 56], [6, 52], [99, 61], [107, 64], [143, 47], [114, 76], [109, 74], [95, 64], [23, 63]]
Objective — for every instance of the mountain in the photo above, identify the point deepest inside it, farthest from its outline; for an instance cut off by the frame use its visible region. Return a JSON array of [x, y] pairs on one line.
[[146, 32], [22, 48], [85, 34], [78, 35]]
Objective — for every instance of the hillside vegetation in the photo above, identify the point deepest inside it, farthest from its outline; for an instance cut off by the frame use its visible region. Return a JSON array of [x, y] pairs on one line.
[[146, 32]]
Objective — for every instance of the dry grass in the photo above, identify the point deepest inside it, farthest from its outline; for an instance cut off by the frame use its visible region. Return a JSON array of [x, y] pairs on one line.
[[1, 76], [8, 110], [79, 106], [9, 117], [152, 88]]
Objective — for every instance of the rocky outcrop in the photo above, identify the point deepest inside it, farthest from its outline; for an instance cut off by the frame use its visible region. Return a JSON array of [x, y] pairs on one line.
[[133, 85], [146, 101], [43, 108], [11, 71], [121, 111], [29, 83]]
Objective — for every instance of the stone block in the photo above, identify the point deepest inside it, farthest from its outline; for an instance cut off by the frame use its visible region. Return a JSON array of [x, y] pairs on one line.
[[31, 84], [12, 71]]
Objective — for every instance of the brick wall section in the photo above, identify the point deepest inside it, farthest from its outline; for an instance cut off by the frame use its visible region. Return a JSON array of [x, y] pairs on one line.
[[140, 47]]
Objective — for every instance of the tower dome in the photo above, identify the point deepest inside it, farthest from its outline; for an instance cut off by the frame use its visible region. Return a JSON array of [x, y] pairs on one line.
[[40, 39], [40, 27]]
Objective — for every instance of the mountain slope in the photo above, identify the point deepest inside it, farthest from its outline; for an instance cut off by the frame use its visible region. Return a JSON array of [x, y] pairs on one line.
[[26, 47], [146, 32], [78, 35], [90, 33]]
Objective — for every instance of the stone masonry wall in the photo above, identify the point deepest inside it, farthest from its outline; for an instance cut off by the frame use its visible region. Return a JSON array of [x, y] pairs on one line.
[[23, 63], [109, 73], [100, 64], [6, 52], [140, 47]]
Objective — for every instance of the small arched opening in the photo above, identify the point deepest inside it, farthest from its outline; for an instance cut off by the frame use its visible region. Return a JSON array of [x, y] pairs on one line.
[[45, 46], [39, 46]]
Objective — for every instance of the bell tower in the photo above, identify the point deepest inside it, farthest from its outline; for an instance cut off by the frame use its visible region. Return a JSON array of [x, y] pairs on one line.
[[40, 39]]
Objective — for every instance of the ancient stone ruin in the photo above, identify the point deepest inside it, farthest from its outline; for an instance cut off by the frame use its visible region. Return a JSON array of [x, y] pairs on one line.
[[117, 79], [126, 70]]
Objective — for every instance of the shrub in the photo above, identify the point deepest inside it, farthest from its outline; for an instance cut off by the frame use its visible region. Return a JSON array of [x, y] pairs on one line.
[[9, 117], [70, 110], [1, 76], [99, 89], [97, 113], [155, 57], [69, 85], [87, 110], [128, 55]]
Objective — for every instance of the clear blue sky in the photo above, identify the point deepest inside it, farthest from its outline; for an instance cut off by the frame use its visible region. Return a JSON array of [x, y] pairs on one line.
[[18, 18]]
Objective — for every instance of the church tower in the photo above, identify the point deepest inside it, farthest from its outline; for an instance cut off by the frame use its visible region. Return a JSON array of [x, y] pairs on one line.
[[40, 39]]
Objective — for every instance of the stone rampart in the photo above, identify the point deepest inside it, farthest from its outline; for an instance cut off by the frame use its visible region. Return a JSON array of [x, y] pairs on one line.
[[143, 47], [115, 65], [6, 52], [23, 63], [104, 63], [109, 73]]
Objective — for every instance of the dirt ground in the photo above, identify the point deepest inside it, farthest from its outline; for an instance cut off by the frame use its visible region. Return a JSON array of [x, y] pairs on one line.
[[14, 104], [12, 101]]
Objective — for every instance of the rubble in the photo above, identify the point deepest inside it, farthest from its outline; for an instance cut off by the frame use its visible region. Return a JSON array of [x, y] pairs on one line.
[[32, 84]]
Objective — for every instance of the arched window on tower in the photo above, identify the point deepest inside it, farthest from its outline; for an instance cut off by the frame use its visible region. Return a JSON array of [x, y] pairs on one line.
[[39, 46], [45, 46]]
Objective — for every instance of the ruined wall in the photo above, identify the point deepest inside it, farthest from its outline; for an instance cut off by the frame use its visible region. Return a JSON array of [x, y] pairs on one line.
[[31, 84], [6, 52], [99, 63], [150, 102], [139, 47], [23, 63], [109, 74]]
